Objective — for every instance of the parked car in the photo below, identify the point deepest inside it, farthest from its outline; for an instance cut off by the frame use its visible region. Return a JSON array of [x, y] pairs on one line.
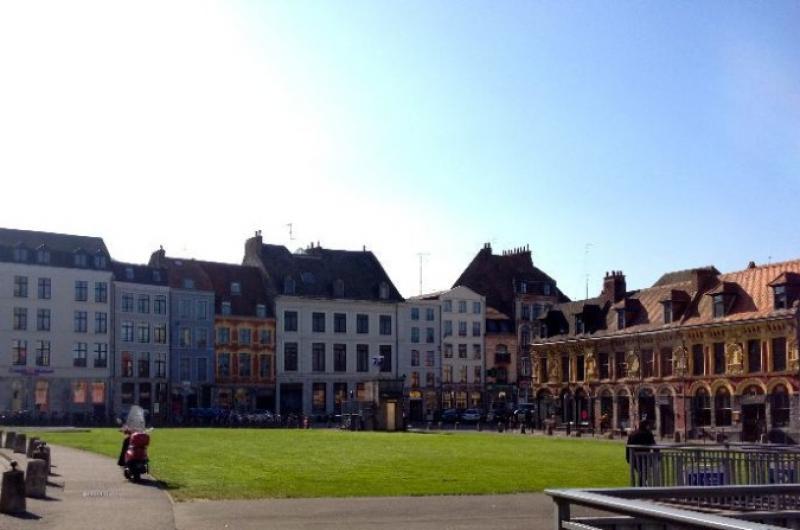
[[471, 416], [450, 416]]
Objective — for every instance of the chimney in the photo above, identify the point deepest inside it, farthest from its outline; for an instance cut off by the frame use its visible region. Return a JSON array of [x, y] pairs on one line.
[[703, 279], [158, 257], [613, 286], [252, 246], [751, 265]]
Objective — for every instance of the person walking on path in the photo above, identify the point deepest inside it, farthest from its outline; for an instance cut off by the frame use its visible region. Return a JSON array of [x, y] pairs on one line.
[[641, 436]]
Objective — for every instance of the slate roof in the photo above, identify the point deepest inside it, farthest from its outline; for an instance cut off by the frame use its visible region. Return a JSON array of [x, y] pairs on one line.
[[180, 269], [141, 274], [752, 299], [62, 247], [252, 284], [316, 269], [494, 276]]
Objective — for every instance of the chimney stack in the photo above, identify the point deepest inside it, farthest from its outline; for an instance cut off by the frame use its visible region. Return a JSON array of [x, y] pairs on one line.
[[614, 286]]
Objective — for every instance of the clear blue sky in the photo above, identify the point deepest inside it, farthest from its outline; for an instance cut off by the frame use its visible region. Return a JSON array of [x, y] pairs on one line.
[[666, 135]]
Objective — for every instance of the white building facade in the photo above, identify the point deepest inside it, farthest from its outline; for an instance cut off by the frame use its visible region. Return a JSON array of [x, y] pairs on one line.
[[463, 349], [55, 325], [420, 354]]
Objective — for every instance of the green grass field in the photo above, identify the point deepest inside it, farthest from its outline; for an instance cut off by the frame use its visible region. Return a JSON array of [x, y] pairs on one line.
[[248, 464]]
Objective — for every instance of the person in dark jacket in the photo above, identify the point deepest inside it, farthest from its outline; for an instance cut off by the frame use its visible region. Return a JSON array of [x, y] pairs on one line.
[[641, 436]]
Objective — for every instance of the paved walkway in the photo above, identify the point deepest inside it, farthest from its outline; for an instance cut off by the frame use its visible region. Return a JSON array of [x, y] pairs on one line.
[[91, 493]]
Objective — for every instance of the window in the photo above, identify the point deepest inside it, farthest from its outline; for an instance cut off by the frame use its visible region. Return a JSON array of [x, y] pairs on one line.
[[42, 256], [339, 358], [385, 325], [20, 318], [339, 323], [580, 368], [462, 306], [101, 292], [429, 315], [143, 332], [161, 365], [186, 309], [666, 362], [462, 372], [448, 328], [476, 329], [448, 351], [129, 273], [99, 261], [80, 321], [126, 393], [127, 302], [202, 337], [781, 298], [448, 306], [383, 291], [462, 328], [667, 312], [19, 352], [318, 322], [288, 285], [779, 354], [429, 335], [144, 364], [754, 356], [79, 353], [265, 366], [160, 333], [79, 259], [157, 276], [245, 365], [20, 254], [648, 364], [718, 305], [100, 355], [414, 335], [44, 289], [226, 308], [81, 291], [42, 353], [719, 357], [579, 325], [290, 321], [261, 311], [430, 380], [362, 358], [223, 335], [414, 313], [702, 408], [620, 366], [266, 337], [462, 351], [386, 358], [318, 357], [476, 308], [698, 360], [621, 319], [547, 289], [100, 323], [290, 357], [143, 304], [127, 331], [536, 311], [160, 304], [202, 369], [79, 389], [202, 309], [476, 352], [224, 365], [780, 406], [447, 374], [185, 338], [414, 357], [20, 286], [318, 397], [603, 361], [236, 288], [414, 380], [722, 407], [362, 324], [186, 369], [43, 320], [245, 336]]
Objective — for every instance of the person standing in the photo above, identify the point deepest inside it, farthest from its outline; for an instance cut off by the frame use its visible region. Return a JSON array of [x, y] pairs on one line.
[[642, 436]]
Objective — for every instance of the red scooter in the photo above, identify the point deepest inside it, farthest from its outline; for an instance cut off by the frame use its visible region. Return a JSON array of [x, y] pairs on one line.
[[136, 461]]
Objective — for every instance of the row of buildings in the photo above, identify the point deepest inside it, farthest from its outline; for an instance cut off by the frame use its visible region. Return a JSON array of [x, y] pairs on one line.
[[306, 331]]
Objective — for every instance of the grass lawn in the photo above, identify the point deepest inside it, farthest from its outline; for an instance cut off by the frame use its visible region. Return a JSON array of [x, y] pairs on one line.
[[248, 464]]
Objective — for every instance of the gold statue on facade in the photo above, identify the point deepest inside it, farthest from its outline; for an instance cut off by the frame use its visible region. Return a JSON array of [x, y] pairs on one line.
[[633, 364], [734, 359]]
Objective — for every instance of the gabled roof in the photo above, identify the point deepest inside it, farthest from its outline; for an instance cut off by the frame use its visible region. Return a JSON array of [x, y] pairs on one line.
[[786, 278], [494, 276], [316, 270], [142, 274], [62, 247], [180, 269], [685, 275], [252, 293]]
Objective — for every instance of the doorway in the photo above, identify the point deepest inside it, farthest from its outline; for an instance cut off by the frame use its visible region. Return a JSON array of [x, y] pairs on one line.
[[667, 420], [753, 422], [415, 410], [391, 411]]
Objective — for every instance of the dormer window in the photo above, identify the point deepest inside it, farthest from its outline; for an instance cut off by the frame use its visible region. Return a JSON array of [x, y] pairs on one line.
[[236, 288], [42, 256], [226, 308], [579, 327], [188, 283], [80, 259], [338, 288], [156, 276], [781, 297], [620, 319], [547, 289], [667, 312], [288, 285], [99, 261], [20, 254], [522, 287], [128, 273], [383, 291], [261, 311], [719, 305]]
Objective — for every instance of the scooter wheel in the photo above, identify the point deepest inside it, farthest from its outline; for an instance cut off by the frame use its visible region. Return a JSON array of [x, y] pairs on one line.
[[127, 473], [136, 477]]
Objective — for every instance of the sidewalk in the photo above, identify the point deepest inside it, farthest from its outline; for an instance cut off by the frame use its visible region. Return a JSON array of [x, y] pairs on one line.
[[93, 495]]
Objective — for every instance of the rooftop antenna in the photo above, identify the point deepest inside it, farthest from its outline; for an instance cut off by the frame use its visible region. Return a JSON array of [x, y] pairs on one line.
[[291, 233], [586, 267], [421, 256]]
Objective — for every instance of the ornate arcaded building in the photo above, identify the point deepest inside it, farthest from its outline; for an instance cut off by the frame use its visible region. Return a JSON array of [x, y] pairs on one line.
[[698, 353]]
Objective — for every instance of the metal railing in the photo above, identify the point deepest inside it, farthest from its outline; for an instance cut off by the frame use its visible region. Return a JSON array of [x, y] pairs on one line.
[[658, 466], [764, 507]]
